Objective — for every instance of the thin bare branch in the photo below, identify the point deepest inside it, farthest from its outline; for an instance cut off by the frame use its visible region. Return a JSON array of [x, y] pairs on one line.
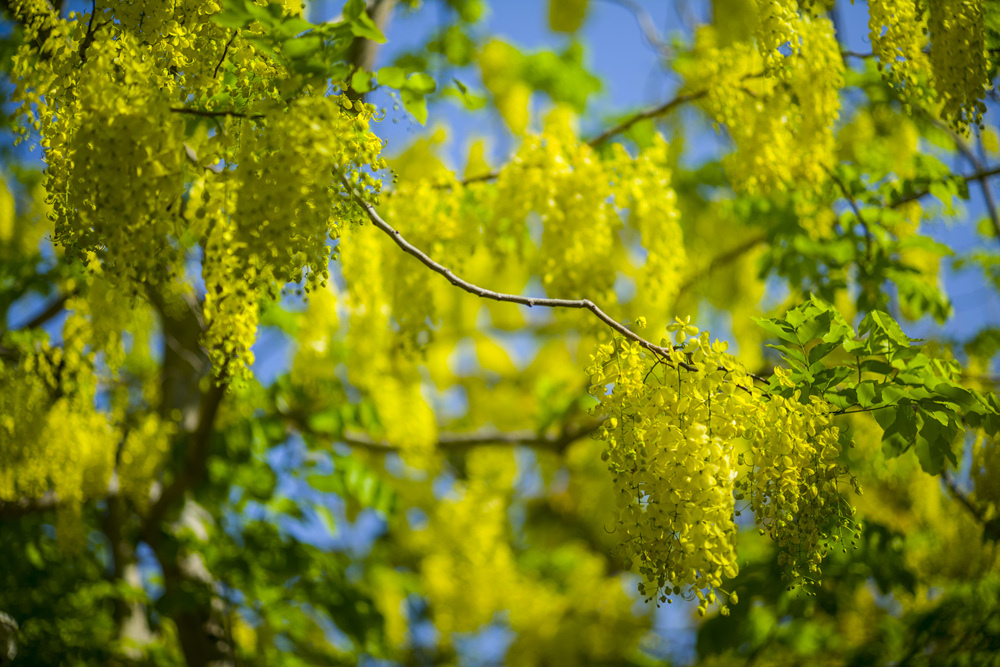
[[722, 259], [665, 353], [991, 527], [225, 52], [854, 207], [623, 126], [978, 175], [661, 110], [50, 311], [646, 25], [977, 164]]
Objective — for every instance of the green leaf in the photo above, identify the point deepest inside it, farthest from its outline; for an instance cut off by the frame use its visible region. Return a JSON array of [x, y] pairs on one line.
[[233, 18], [362, 24], [567, 15], [868, 394], [361, 81], [891, 327], [328, 422], [415, 103], [460, 91], [792, 354], [393, 77], [354, 9], [933, 445], [876, 366], [326, 518], [332, 483], [420, 83], [899, 434], [302, 47], [777, 328], [821, 350]]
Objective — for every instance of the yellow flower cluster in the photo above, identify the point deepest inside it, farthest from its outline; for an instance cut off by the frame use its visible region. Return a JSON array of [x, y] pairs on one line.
[[642, 186], [232, 303], [793, 483], [546, 212], [143, 452], [776, 28], [958, 56], [122, 101], [286, 198], [108, 324], [670, 436], [51, 436], [558, 184], [781, 121], [898, 36], [573, 614], [386, 289], [674, 437]]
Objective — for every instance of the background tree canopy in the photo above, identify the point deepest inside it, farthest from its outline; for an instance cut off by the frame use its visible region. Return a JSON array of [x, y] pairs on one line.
[[361, 333]]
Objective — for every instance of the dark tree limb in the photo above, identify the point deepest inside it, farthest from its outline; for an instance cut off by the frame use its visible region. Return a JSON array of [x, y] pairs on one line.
[[991, 527]]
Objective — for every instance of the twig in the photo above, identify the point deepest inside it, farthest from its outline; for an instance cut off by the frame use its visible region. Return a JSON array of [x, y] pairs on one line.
[[991, 527], [665, 353], [88, 38], [225, 51], [723, 259], [854, 207], [646, 25], [50, 311], [661, 110], [623, 126], [977, 164], [977, 175], [216, 114]]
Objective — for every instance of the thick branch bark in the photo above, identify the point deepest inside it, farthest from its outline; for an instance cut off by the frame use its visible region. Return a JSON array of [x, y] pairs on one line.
[[16, 509], [363, 51], [458, 442]]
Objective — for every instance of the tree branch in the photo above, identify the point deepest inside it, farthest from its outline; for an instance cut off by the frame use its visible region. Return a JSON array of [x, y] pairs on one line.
[[225, 51], [459, 442], [854, 207], [977, 164], [216, 114], [662, 352], [621, 127], [363, 51], [991, 527], [646, 25], [194, 463], [50, 311], [722, 259], [978, 175], [661, 110], [15, 509]]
